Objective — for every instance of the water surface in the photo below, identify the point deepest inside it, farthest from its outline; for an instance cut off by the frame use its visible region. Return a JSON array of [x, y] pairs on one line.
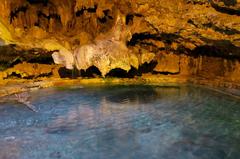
[[122, 122]]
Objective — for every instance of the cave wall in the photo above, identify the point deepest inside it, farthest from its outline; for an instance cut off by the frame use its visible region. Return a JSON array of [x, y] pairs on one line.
[[185, 37], [178, 25]]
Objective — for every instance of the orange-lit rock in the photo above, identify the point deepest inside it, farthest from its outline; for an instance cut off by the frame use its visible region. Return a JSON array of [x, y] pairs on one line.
[[168, 63], [29, 71], [201, 37]]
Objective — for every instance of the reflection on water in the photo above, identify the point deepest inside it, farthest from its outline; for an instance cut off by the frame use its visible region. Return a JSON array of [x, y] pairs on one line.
[[104, 122]]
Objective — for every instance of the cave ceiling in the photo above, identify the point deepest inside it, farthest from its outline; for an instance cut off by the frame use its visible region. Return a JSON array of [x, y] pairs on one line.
[[193, 27]]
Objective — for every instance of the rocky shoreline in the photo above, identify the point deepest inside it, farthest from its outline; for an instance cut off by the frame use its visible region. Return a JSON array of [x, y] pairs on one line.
[[9, 87]]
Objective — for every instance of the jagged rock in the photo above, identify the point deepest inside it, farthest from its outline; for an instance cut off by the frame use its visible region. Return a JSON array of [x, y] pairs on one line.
[[11, 55], [106, 53], [30, 71], [104, 58]]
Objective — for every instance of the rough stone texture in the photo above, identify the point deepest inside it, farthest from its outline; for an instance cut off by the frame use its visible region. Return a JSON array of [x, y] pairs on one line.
[[168, 63], [186, 37], [30, 71], [11, 55], [176, 23]]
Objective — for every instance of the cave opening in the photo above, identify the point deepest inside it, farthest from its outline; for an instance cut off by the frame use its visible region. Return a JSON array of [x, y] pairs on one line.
[[117, 72], [66, 73], [147, 67], [120, 73], [133, 72], [91, 72]]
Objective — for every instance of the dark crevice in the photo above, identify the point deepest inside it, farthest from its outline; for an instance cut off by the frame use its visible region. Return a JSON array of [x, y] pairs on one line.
[[165, 37], [106, 17], [54, 16], [229, 2], [226, 31], [92, 71], [44, 2], [102, 20], [89, 10], [219, 48], [118, 72], [10, 55], [44, 19], [138, 37], [129, 18], [213, 48], [66, 73], [212, 51], [224, 9], [133, 72], [165, 73], [89, 73], [13, 75], [15, 13], [44, 75], [147, 67], [190, 21], [16, 61], [37, 24], [42, 60]]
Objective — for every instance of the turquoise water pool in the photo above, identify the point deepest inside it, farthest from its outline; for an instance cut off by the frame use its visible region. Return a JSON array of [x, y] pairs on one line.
[[122, 122]]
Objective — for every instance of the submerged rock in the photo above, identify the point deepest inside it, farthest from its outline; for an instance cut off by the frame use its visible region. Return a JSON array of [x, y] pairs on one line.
[[22, 98]]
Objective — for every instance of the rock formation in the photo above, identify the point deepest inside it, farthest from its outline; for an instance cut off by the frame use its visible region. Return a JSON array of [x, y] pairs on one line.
[[185, 37]]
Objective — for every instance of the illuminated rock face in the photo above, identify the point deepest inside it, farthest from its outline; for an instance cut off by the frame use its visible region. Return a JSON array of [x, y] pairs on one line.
[[106, 53], [127, 33], [104, 58]]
